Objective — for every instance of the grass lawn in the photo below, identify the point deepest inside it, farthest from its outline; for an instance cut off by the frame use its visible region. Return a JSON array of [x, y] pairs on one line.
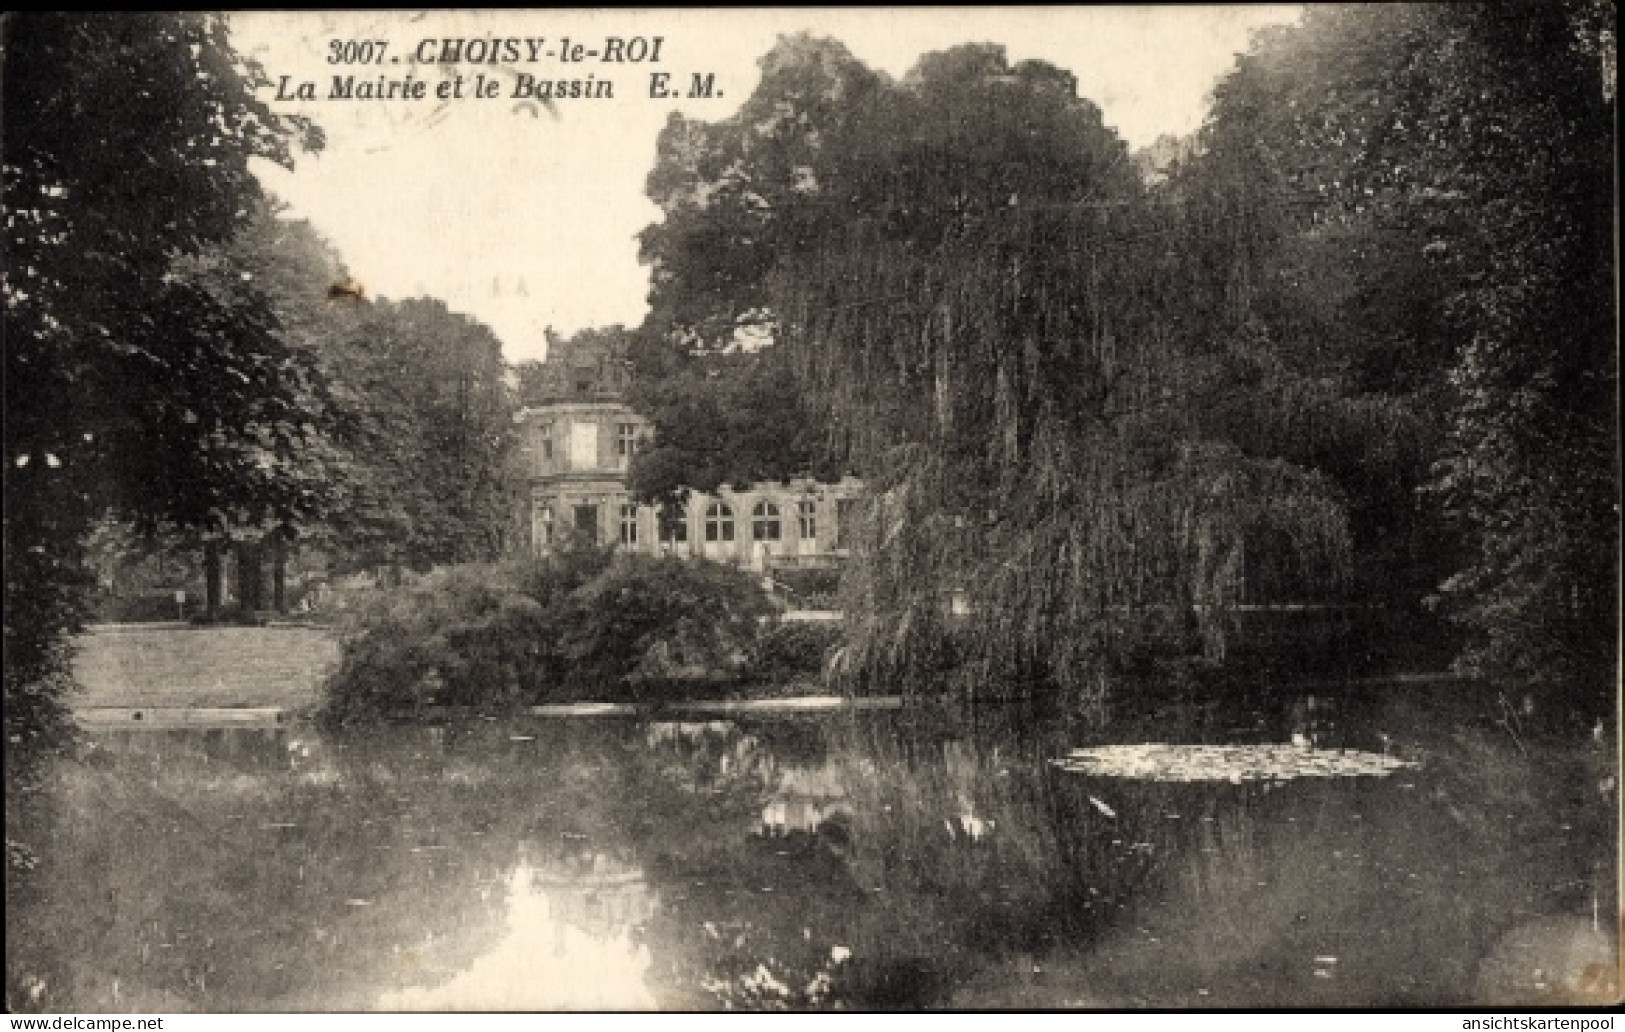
[[214, 666]]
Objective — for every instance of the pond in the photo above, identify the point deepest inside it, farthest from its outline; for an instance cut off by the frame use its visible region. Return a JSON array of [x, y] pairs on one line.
[[914, 859]]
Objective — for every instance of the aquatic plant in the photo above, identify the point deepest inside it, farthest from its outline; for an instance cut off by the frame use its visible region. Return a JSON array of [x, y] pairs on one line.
[[1161, 762]]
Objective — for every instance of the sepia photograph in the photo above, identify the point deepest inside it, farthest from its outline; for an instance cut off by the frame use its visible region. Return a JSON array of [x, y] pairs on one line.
[[1109, 509]]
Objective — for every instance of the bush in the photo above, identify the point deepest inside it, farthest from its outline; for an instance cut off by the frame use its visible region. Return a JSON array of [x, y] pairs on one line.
[[647, 621], [580, 625], [793, 652], [481, 636]]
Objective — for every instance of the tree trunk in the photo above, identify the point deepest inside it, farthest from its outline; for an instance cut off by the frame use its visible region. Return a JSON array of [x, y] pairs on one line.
[[279, 571], [251, 576], [211, 581]]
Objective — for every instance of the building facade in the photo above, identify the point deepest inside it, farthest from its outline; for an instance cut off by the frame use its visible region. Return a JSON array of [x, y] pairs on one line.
[[577, 440]]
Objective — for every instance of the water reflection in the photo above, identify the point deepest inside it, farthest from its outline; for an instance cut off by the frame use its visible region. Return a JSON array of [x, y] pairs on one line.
[[569, 944], [893, 860], [805, 799]]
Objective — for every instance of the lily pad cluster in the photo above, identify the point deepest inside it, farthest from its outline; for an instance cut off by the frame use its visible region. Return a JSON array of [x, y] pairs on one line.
[[1154, 761]]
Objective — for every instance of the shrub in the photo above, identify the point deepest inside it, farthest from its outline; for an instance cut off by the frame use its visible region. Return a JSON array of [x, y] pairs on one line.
[[793, 652], [647, 621], [581, 624], [401, 650]]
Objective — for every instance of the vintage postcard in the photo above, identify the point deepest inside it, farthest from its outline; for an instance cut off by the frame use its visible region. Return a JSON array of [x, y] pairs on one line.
[[824, 509]]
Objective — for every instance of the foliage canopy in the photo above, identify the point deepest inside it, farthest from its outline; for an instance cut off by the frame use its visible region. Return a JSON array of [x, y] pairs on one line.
[[976, 292], [138, 375]]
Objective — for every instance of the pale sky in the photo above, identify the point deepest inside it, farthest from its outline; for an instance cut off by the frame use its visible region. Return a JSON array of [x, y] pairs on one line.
[[524, 219]]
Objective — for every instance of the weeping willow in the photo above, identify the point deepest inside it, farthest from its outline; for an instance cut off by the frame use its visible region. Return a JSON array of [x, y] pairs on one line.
[[1043, 372], [1023, 393]]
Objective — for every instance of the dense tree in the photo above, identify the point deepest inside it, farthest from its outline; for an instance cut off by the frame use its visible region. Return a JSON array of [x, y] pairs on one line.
[[975, 293], [402, 460], [724, 417], [1428, 193], [1330, 317], [413, 432], [427, 475], [1368, 313], [136, 377], [283, 262], [738, 194]]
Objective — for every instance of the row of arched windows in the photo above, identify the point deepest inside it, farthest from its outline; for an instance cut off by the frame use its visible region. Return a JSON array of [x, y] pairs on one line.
[[766, 523]]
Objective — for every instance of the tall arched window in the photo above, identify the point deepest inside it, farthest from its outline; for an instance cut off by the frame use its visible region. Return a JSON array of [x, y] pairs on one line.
[[807, 519], [764, 522], [629, 524], [719, 522]]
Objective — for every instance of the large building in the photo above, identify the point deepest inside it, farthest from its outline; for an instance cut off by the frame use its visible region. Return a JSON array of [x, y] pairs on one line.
[[577, 439]]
